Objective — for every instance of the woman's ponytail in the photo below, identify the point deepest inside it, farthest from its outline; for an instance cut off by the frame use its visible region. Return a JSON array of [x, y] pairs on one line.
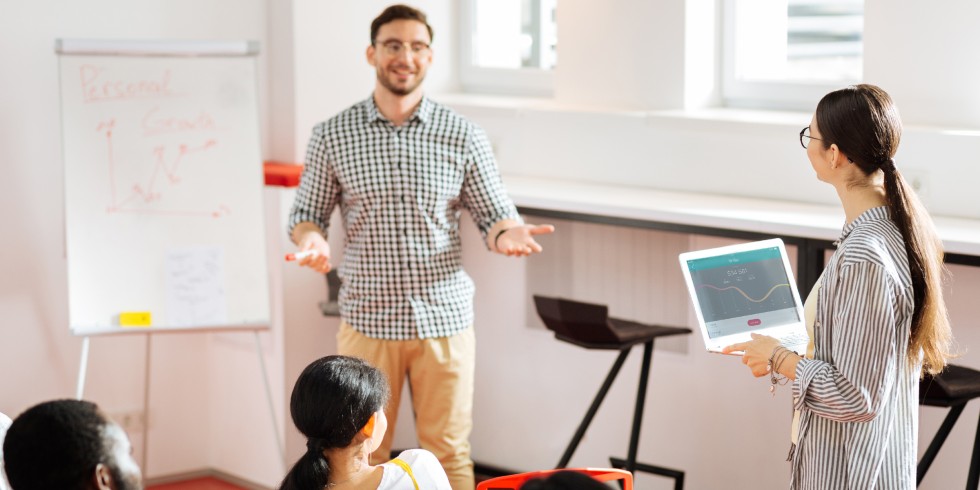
[[310, 471], [931, 332], [863, 122]]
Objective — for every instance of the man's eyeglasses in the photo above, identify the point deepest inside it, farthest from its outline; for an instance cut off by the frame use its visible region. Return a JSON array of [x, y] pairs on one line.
[[805, 137], [395, 48]]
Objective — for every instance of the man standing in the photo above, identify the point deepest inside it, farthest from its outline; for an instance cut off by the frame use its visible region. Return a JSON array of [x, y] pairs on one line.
[[402, 168], [68, 444]]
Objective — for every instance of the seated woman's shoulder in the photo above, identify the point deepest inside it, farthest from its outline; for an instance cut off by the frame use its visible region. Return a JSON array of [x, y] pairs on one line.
[[412, 455], [426, 469]]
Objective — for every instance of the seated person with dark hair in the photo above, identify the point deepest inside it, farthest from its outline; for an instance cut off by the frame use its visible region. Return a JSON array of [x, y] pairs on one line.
[[68, 445], [565, 480], [338, 404]]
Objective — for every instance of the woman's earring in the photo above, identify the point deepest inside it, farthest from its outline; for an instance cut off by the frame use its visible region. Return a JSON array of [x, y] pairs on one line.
[[368, 429]]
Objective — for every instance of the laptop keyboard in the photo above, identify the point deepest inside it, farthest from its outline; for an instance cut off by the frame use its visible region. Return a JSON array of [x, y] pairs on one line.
[[794, 339]]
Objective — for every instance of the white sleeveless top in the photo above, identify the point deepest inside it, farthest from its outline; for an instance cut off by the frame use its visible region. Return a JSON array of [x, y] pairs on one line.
[[425, 468]]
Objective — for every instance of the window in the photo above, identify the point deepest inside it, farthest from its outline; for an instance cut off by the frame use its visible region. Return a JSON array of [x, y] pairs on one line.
[[789, 53], [509, 46]]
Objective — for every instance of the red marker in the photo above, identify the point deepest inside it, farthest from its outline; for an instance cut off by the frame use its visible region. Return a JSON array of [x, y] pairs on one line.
[[300, 255]]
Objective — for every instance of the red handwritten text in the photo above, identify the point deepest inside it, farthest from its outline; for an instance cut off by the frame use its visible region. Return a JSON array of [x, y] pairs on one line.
[[96, 86], [156, 123]]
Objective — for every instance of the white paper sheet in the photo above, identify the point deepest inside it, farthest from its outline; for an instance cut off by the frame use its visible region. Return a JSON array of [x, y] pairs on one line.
[[195, 287]]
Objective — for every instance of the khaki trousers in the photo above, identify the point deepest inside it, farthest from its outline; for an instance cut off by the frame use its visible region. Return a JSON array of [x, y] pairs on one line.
[[440, 378]]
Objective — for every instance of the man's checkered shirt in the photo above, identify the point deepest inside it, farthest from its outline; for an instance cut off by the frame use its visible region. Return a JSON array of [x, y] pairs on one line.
[[401, 190]]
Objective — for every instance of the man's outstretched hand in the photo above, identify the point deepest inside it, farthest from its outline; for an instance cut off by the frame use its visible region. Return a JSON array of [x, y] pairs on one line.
[[518, 241]]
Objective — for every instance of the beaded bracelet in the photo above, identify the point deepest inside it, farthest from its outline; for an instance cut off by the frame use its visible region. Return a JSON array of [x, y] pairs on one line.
[[782, 357], [773, 368]]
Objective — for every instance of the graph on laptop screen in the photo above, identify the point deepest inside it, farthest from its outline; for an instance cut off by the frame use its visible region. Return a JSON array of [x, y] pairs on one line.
[[743, 291]]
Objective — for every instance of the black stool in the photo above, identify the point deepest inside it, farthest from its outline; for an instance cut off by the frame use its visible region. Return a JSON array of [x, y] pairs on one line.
[[589, 325], [952, 388], [331, 307]]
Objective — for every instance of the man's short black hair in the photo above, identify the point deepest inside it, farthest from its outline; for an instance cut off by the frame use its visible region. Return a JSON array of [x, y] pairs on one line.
[[56, 445], [398, 12], [565, 480]]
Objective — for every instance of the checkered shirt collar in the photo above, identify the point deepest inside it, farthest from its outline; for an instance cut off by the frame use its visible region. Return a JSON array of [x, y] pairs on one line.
[[423, 113]]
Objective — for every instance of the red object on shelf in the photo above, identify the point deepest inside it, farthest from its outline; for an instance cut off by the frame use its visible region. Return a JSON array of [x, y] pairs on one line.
[[283, 174]]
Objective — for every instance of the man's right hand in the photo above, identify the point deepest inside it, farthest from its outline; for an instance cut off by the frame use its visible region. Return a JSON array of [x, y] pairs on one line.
[[314, 240]]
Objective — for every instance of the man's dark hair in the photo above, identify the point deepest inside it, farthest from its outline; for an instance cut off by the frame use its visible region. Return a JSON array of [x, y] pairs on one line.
[[56, 444], [398, 12], [565, 480]]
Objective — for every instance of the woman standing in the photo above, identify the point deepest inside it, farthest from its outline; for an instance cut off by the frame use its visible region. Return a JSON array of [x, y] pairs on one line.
[[876, 316]]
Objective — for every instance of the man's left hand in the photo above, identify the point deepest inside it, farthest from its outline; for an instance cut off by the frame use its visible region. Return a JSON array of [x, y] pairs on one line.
[[518, 241]]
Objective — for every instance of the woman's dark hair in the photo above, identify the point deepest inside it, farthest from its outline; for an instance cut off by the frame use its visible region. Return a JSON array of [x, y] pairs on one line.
[[333, 399], [398, 12], [56, 444], [864, 123], [565, 480]]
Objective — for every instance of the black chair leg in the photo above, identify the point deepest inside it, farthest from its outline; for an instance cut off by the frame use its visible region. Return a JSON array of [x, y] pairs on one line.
[[577, 438], [677, 475], [973, 481], [630, 464], [641, 395], [937, 442]]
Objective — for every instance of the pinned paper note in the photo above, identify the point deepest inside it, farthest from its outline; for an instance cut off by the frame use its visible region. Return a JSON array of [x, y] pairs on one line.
[[135, 319], [195, 286]]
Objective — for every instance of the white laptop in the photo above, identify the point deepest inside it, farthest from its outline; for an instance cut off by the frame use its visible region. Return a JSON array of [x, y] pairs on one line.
[[745, 288]]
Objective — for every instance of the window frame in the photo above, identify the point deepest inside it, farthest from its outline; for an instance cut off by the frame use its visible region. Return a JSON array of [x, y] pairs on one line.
[[777, 95], [504, 81]]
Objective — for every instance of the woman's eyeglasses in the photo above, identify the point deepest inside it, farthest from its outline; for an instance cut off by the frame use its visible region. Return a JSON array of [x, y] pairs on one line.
[[805, 137]]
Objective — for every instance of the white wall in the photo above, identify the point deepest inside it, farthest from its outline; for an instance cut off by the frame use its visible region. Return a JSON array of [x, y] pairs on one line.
[[38, 355], [902, 54], [617, 54]]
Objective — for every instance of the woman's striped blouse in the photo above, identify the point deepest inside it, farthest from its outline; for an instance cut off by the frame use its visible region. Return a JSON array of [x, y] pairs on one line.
[[858, 396]]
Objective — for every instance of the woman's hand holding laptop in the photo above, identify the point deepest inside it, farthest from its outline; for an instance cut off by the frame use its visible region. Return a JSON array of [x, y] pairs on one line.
[[762, 353]]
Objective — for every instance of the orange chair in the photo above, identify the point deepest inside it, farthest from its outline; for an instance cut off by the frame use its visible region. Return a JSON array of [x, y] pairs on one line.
[[511, 482]]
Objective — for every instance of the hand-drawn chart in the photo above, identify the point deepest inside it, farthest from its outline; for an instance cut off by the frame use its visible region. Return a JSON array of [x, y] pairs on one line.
[[163, 190], [164, 138], [163, 170]]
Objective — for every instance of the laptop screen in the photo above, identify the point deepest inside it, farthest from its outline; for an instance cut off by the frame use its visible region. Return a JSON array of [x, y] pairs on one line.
[[743, 291]]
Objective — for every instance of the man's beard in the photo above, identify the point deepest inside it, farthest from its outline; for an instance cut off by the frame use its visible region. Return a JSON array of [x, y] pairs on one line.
[[395, 89], [132, 482]]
